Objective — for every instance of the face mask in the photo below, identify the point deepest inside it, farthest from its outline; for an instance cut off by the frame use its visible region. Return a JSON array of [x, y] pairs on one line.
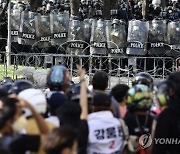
[[19, 124]]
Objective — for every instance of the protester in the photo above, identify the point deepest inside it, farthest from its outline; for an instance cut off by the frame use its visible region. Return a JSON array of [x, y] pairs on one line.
[[168, 121], [105, 133], [54, 101], [88, 123], [138, 117], [74, 116], [160, 103], [11, 120], [38, 100], [100, 83], [61, 141], [58, 83], [119, 92], [73, 95]]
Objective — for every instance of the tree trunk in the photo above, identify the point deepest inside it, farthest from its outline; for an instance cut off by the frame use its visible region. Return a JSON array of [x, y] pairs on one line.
[[74, 5], [145, 6]]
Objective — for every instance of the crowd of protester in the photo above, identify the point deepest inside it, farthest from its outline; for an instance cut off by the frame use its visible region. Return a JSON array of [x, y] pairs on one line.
[[69, 118]]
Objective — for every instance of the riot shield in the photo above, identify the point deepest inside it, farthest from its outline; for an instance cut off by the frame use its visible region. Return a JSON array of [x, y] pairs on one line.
[[27, 33], [15, 24], [137, 37], [98, 39], [43, 33], [76, 39], [116, 36], [59, 27], [87, 30], [157, 37], [173, 38]]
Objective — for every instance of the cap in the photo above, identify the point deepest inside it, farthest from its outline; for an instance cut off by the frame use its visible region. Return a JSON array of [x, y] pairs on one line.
[[101, 99], [56, 99], [36, 98]]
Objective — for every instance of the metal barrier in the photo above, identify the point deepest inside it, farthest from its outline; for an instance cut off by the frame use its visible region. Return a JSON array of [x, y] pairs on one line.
[[121, 69]]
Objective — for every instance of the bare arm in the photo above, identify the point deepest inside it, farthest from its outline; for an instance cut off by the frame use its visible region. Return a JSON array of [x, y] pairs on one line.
[[44, 130], [83, 94]]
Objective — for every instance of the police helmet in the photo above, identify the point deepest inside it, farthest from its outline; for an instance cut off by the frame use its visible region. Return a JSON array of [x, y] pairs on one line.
[[74, 92], [143, 78], [6, 80], [161, 91], [19, 86], [58, 76], [139, 98], [6, 86]]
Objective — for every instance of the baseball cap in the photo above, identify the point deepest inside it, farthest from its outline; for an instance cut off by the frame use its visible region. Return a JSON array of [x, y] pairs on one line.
[[101, 99], [36, 98], [55, 99]]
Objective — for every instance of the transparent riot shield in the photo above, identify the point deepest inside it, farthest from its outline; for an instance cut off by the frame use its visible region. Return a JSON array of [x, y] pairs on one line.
[[43, 33], [116, 36], [173, 38], [15, 24], [98, 37], [59, 27], [157, 37], [137, 37], [27, 33], [76, 38], [87, 30]]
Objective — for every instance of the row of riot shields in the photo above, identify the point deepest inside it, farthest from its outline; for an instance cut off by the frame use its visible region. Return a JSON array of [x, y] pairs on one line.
[[93, 36], [157, 37], [30, 28]]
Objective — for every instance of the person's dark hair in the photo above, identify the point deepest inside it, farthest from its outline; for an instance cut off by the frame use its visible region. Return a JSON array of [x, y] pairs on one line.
[[174, 82], [100, 108], [100, 80], [119, 92], [69, 114], [59, 139], [3, 94], [8, 110], [101, 102]]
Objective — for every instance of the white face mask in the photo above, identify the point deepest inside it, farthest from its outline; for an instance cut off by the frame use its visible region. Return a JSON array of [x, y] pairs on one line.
[[19, 124]]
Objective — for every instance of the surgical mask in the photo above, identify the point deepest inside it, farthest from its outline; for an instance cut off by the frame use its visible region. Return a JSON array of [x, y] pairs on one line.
[[19, 124]]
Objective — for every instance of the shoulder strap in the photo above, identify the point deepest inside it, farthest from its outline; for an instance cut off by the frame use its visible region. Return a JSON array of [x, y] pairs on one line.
[[124, 129]]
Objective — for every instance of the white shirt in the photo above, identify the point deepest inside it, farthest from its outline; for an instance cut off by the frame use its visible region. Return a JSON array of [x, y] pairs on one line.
[[105, 133]]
